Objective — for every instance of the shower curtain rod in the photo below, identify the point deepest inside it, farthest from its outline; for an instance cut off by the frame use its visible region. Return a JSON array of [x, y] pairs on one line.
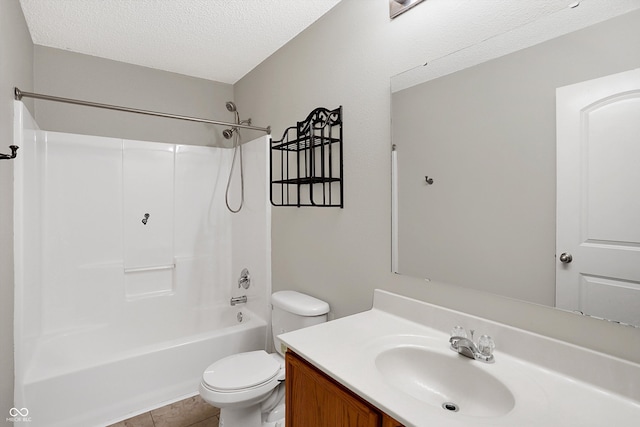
[[20, 94]]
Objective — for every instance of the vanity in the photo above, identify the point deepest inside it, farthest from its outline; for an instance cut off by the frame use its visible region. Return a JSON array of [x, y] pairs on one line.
[[394, 366], [316, 399]]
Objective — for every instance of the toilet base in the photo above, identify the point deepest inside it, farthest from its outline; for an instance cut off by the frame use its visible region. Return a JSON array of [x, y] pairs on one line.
[[241, 417], [251, 417], [275, 417]]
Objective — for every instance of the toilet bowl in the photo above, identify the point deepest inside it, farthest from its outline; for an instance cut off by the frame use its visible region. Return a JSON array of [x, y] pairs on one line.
[[249, 387], [238, 384]]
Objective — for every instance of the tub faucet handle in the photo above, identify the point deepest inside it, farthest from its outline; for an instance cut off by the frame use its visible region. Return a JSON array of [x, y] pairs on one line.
[[245, 279]]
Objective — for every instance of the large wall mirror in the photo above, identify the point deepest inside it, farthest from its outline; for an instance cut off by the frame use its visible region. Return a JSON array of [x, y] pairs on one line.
[[475, 173]]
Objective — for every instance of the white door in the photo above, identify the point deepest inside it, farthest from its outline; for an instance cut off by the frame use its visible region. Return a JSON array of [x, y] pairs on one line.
[[598, 197]]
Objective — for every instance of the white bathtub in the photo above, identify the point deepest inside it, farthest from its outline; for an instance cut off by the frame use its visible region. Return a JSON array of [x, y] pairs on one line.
[[98, 376]]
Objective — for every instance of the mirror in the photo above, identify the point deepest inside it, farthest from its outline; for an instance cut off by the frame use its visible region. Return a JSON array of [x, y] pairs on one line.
[[474, 160]]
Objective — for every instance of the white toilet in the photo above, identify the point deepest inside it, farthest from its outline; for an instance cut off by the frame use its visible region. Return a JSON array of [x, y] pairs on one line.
[[249, 387]]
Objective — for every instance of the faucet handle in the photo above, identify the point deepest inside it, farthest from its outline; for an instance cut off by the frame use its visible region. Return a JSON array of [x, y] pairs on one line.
[[458, 331], [245, 279], [486, 345]]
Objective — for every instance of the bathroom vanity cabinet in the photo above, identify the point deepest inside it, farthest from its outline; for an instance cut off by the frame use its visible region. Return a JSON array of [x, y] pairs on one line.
[[316, 400]]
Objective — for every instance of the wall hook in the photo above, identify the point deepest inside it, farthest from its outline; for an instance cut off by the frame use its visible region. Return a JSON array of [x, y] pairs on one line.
[[145, 219], [14, 153], [428, 180]]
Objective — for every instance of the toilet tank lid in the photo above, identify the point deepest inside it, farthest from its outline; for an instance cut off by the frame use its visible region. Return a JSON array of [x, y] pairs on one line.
[[298, 303]]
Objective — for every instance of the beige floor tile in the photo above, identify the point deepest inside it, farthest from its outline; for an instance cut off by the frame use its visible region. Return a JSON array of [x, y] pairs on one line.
[[184, 413], [209, 422], [142, 420]]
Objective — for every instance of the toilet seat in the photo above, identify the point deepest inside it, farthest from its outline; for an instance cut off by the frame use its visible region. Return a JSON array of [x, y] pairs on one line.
[[241, 371], [241, 378]]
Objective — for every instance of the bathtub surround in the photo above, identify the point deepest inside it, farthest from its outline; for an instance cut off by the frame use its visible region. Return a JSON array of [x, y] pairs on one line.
[[148, 179], [123, 277]]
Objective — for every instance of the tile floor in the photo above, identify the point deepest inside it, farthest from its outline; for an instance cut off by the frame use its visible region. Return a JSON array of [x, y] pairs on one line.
[[190, 412]]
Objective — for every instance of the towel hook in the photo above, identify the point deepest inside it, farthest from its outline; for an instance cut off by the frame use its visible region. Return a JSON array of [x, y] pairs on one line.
[[14, 153], [428, 180]]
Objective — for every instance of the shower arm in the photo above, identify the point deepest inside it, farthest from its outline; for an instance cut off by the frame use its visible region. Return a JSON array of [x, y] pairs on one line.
[[20, 94]]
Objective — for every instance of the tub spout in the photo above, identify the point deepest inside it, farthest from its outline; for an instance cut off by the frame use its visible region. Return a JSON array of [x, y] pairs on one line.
[[238, 300]]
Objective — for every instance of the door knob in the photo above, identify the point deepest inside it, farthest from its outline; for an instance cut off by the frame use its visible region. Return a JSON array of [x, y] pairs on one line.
[[565, 258]]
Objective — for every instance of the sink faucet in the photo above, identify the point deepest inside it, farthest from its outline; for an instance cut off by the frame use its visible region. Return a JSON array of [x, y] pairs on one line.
[[483, 351]]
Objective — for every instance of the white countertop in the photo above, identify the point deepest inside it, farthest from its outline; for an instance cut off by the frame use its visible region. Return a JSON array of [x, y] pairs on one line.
[[554, 384]]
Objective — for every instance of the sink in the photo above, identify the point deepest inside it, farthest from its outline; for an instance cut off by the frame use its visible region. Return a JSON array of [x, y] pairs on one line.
[[446, 380], [396, 356]]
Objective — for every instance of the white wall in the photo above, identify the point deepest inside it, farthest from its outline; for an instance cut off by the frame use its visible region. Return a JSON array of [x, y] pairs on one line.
[[16, 69], [347, 58], [251, 227], [75, 190]]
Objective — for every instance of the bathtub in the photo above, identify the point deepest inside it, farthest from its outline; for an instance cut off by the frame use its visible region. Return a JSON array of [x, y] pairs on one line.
[[97, 375], [115, 316]]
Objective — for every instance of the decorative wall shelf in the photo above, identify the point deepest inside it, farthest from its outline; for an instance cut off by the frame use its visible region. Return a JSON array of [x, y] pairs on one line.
[[306, 164]]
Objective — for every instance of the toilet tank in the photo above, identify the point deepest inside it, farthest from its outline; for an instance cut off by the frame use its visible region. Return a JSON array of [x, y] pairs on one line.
[[293, 310]]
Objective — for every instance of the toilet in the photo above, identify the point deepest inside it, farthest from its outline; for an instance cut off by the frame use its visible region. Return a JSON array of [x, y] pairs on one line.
[[249, 387]]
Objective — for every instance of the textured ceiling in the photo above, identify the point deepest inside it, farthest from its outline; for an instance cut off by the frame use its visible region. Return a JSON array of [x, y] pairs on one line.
[[219, 40]]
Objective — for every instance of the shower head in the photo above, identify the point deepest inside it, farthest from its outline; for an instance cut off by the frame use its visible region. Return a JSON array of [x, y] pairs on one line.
[[228, 133], [231, 106]]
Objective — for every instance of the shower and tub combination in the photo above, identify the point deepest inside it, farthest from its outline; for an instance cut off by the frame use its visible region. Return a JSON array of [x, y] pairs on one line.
[[126, 260]]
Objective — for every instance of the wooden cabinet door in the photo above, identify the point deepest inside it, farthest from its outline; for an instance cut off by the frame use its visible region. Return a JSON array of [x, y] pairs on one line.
[[387, 421], [315, 400]]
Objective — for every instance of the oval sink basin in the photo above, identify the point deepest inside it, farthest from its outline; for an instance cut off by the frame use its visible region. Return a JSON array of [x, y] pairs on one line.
[[449, 381]]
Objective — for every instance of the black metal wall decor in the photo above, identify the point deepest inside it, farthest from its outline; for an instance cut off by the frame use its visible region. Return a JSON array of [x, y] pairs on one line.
[[306, 164]]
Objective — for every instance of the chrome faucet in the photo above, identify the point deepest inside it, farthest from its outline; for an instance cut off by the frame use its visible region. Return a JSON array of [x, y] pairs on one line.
[[483, 351], [238, 300], [245, 279]]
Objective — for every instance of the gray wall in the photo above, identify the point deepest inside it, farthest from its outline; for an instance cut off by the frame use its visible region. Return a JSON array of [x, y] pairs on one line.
[[487, 135], [16, 69], [347, 58], [89, 78]]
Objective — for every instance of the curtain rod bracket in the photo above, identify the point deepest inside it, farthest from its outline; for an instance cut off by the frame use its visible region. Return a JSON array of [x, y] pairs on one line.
[[14, 153]]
